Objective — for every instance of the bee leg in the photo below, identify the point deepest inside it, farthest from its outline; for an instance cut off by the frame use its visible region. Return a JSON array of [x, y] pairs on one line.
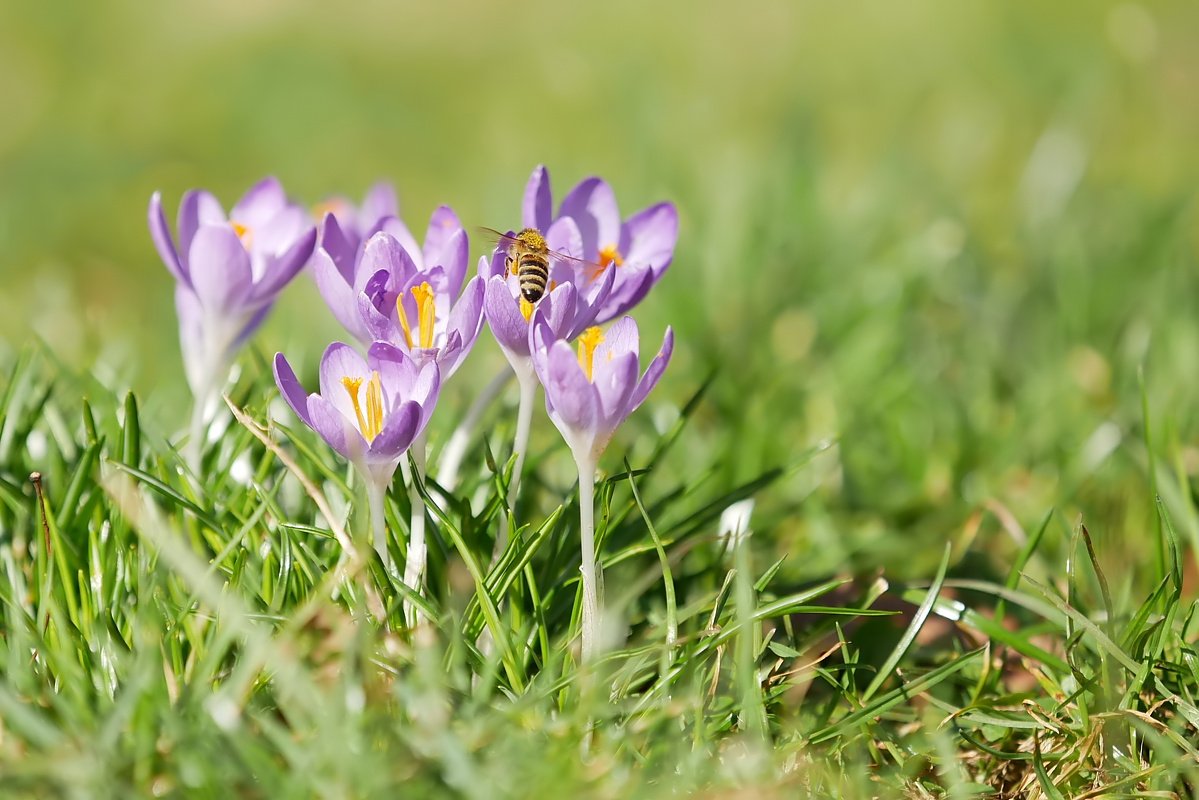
[[510, 263]]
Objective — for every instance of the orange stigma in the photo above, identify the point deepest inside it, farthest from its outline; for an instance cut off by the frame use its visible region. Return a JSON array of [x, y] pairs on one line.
[[244, 234], [588, 341], [526, 308], [608, 256]]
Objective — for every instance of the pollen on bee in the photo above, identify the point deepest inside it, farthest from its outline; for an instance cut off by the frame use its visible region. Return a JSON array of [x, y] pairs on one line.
[[532, 238]]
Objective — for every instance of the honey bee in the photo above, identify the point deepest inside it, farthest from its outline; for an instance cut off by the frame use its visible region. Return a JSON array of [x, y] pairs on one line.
[[529, 259]]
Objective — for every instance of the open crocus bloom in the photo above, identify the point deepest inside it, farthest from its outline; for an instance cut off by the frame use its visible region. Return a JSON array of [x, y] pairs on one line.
[[418, 310], [639, 250], [589, 394], [229, 270], [368, 410], [567, 307], [344, 265]]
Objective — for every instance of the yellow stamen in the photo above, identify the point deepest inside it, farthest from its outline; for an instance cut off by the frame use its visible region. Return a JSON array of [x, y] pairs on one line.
[[374, 408], [608, 256], [426, 309], [588, 341], [371, 424], [526, 308], [404, 320], [244, 234], [352, 386]]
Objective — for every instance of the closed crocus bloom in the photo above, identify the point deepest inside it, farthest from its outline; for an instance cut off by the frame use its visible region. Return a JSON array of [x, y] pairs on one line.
[[588, 395], [638, 250], [229, 270], [369, 410], [346, 267]]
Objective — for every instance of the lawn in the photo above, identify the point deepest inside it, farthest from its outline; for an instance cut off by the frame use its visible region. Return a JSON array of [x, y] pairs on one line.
[[933, 314]]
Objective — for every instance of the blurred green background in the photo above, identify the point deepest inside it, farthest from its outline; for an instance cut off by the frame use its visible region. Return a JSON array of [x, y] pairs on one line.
[[947, 233]]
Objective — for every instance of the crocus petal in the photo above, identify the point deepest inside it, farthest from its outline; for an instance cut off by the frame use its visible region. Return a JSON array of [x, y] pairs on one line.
[[615, 381], [453, 259], [653, 373], [466, 317], [197, 208], [220, 269], [495, 264], [335, 428], [564, 237], [621, 338], [398, 432], [385, 252], [592, 205], [281, 231], [333, 240], [538, 207], [380, 202], [291, 389], [559, 308], [652, 235], [338, 295], [503, 315], [572, 397], [443, 224], [427, 384], [588, 307], [264, 200], [397, 372], [377, 327], [191, 337], [281, 269], [341, 361], [396, 228], [256, 319], [451, 355], [633, 286], [160, 232]]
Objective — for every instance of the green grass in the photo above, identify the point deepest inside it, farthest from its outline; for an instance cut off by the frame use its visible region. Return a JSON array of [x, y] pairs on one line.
[[934, 307]]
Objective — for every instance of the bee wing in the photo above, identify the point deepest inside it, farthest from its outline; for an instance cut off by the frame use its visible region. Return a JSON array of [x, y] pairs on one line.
[[506, 239]]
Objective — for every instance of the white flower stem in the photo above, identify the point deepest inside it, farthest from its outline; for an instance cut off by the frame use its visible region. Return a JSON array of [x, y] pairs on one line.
[[376, 492], [450, 459], [591, 603], [524, 421], [414, 568], [197, 432]]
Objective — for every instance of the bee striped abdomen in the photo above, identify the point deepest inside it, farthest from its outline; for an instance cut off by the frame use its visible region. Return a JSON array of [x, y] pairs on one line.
[[533, 275]]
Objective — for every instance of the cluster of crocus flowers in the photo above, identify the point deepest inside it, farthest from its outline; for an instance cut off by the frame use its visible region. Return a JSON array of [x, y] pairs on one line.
[[415, 316], [229, 271]]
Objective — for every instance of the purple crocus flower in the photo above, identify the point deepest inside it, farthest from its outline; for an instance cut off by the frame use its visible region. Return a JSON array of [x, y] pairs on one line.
[[590, 394], [418, 310], [369, 410], [587, 397], [345, 267], [229, 270], [639, 250]]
